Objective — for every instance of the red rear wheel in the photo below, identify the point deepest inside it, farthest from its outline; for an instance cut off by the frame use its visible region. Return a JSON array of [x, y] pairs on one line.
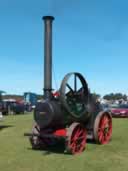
[[76, 138], [103, 128]]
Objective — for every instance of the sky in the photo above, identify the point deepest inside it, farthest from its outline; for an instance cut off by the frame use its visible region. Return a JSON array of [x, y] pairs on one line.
[[89, 36]]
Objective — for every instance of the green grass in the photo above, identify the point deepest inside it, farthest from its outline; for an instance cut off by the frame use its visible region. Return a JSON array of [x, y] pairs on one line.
[[16, 153]]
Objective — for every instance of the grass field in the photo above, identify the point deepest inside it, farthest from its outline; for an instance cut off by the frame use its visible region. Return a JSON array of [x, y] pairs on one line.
[[16, 153]]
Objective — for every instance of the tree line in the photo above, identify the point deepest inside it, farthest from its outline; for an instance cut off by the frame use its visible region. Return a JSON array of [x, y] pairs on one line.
[[110, 96], [116, 96]]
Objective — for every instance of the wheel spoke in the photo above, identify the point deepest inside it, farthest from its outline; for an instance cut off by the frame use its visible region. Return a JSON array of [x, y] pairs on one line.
[[100, 135], [75, 137], [78, 133], [82, 137], [106, 120], [73, 145], [106, 136], [36, 127], [75, 83], [70, 88]]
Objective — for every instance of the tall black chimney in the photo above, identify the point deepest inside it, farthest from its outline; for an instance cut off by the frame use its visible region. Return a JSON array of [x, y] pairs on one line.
[[48, 56]]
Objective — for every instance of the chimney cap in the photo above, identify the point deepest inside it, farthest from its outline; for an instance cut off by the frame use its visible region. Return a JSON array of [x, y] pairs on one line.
[[48, 17]]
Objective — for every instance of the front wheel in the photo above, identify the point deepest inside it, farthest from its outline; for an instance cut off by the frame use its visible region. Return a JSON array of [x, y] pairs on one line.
[[76, 138], [35, 140]]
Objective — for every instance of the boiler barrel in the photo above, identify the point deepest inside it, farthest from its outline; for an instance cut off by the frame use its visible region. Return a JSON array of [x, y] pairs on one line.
[[47, 114], [52, 114]]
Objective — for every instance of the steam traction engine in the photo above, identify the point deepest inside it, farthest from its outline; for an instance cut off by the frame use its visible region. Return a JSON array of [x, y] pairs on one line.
[[71, 113]]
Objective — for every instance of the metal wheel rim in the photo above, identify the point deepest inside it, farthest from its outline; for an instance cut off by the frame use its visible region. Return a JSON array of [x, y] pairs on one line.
[[34, 140], [103, 128], [76, 142]]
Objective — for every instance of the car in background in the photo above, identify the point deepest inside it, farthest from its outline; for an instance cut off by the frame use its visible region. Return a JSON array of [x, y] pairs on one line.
[[12, 107], [119, 111], [18, 108]]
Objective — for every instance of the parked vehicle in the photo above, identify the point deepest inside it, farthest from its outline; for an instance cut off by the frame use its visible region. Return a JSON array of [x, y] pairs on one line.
[[12, 107], [119, 110], [18, 108]]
